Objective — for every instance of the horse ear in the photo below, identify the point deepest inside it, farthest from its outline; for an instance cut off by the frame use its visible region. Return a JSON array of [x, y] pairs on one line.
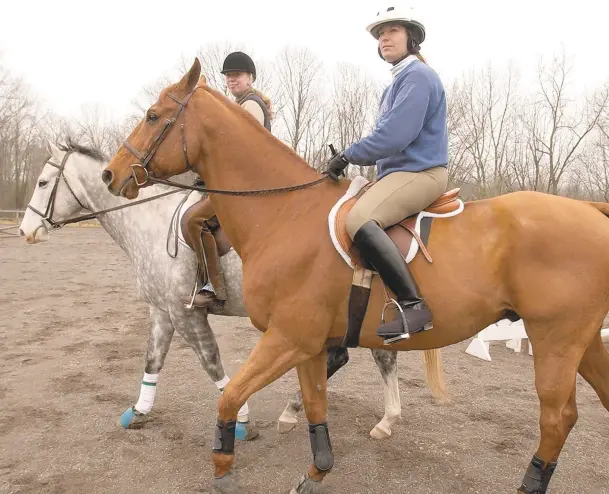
[[52, 148], [190, 79]]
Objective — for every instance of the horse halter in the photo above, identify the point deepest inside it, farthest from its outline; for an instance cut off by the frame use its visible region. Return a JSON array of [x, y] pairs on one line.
[[48, 214], [146, 158]]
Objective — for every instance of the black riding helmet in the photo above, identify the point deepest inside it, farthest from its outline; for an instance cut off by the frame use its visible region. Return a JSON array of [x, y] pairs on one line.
[[239, 62]]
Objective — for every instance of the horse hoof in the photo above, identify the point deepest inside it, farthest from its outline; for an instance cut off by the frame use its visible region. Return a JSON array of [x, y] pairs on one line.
[[287, 421], [246, 431], [285, 427], [307, 485], [132, 419], [380, 433], [225, 485]]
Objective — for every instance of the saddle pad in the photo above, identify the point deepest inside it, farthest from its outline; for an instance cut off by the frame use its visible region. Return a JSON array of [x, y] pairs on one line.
[[341, 240]]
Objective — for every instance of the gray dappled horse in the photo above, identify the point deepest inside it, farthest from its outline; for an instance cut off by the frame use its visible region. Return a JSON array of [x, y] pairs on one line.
[[165, 270]]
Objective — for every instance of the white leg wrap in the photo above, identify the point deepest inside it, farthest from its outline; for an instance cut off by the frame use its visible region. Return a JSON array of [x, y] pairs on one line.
[[242, 415], [222, 383], [147, 393]]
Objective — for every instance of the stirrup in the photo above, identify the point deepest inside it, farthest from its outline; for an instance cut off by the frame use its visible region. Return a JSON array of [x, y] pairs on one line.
[[405, 324], [195, 289], [403, 336]]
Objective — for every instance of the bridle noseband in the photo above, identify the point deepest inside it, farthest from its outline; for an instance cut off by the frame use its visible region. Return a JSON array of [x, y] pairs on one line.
[[146, 158], [48, 214]]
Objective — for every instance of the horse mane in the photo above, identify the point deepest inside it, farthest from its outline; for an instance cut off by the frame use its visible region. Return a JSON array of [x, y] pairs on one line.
[[255, 126], [71, 144]]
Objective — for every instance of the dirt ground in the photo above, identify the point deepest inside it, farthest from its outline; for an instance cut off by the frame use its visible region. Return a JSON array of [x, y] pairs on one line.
[[71, 358]]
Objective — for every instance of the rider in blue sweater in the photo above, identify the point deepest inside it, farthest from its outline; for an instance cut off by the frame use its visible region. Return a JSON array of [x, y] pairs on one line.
[[409, 147]]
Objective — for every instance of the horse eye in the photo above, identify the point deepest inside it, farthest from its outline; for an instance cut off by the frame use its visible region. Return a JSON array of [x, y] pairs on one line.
[[152, 117], [42, 183]]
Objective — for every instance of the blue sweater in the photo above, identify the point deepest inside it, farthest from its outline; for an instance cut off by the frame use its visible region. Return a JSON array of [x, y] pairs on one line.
[[411, 132]]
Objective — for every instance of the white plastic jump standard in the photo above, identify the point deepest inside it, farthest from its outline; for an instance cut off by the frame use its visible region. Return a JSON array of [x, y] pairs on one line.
[[511, 332]]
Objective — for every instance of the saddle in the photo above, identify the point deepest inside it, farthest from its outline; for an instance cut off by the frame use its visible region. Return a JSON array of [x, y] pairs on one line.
[[410, 235], [405, 232]]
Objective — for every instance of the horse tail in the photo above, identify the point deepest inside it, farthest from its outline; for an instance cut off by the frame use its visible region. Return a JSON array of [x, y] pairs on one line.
[[435, 376], [603, 207]]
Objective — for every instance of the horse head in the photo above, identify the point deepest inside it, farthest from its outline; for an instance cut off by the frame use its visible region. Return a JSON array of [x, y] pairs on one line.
[[160, 144], [59, 193]]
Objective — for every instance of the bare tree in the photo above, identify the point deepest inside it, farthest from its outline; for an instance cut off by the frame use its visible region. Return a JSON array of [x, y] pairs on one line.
[[563, 124], [460, 169], [499, 139], [97, 129], [317, 136], [21, 148], [299, 73], [149, 94], [355, 100], [483, 108], [593, 175]]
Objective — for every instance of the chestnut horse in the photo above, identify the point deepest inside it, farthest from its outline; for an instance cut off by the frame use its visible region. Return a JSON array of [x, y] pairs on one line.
[[543, 258]]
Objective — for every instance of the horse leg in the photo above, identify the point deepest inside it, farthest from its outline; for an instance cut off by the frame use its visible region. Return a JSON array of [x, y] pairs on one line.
[[594, 368], [194, 327], [337, 358], [556, 364], [313, 378], [386, 361], [270, 359], [159, 340]]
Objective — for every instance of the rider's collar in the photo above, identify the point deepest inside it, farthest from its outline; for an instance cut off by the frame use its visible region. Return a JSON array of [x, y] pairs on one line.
[[399, 67]]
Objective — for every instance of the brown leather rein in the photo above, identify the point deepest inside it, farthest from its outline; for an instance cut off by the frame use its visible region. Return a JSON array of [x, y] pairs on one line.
[[146, 158]]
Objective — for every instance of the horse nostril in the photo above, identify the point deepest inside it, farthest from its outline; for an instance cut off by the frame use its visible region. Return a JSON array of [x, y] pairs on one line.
[[107, 177], [21, 234]]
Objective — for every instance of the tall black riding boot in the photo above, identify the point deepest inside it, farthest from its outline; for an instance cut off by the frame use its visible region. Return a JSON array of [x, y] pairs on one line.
[[378, 249]]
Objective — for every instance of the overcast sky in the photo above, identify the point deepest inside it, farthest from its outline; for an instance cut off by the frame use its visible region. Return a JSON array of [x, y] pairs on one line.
[[102, 52]]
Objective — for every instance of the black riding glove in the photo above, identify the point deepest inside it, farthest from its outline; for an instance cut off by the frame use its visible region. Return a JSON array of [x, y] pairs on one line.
[[337, 165]]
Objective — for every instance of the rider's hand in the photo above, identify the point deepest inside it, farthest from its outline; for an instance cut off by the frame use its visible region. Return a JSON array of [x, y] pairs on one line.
[[337, 165]]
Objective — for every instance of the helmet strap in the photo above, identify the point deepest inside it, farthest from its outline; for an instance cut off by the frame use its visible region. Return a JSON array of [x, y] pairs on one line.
[[400, 59], [413, 44]]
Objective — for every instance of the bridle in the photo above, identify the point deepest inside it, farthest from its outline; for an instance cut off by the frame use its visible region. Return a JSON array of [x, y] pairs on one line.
[[56, 225], [48, 214], [146, 158]]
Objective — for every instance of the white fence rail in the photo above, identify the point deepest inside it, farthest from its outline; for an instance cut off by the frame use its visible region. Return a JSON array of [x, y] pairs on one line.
[[11, 214], [14, 216]]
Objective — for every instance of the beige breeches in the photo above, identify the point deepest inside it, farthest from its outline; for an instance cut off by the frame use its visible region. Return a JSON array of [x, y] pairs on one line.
[[396, 196]]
